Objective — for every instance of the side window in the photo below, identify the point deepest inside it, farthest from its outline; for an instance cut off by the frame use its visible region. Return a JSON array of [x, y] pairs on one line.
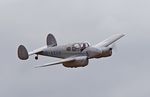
[[68, 48], [73, 49]]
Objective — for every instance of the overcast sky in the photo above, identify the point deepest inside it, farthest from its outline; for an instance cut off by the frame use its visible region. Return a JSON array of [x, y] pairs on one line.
[[125, 74]]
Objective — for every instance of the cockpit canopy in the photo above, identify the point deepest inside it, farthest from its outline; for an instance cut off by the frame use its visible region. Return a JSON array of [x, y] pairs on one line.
[[79, 46]]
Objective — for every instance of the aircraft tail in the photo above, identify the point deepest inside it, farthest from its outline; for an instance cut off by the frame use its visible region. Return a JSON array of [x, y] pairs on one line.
[[51, 41], [22, 53]]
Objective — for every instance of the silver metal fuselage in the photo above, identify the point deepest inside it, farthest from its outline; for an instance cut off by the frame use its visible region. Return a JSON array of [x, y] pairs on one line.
[[62, 51]]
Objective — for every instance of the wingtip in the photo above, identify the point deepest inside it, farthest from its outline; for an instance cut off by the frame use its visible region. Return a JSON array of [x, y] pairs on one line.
[[36, 67], [39, 66], [123, 34]]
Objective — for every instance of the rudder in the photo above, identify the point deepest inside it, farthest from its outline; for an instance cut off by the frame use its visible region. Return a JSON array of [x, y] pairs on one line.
[[22, 53], [51, 41]]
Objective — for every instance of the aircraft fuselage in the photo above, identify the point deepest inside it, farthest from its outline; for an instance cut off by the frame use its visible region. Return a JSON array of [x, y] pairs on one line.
[[65, 51]]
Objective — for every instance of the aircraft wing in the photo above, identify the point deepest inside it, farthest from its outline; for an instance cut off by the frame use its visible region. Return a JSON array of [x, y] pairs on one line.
[[109, 40], [63, 61], [57, 62]]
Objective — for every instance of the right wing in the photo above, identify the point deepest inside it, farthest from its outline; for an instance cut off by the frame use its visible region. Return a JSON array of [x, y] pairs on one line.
[[109, 40], [70, 59]]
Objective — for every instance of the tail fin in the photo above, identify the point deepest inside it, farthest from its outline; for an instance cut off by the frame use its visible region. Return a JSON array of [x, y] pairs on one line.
[[51, 41], [22, 53]]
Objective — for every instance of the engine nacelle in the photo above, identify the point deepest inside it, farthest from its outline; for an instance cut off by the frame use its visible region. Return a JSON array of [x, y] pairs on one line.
[[105, 52], [79, 62], [98, 53]]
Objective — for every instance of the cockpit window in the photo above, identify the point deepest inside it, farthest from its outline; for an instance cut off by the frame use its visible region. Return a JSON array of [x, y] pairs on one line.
[[79, 46], [87, 45], [84, 45]]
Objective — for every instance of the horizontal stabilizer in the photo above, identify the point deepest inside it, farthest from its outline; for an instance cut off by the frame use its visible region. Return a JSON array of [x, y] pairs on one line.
[[23, 54], [37, 51]]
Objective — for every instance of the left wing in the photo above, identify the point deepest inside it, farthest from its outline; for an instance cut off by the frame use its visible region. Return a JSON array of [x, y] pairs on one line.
[[59, 62], [70, 59]]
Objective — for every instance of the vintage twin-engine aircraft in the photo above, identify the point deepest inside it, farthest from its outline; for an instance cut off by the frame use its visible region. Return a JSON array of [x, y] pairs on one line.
[[72, 55]]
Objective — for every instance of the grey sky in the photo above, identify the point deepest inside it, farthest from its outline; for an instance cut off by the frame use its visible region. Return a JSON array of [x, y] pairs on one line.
[[125, 74]]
